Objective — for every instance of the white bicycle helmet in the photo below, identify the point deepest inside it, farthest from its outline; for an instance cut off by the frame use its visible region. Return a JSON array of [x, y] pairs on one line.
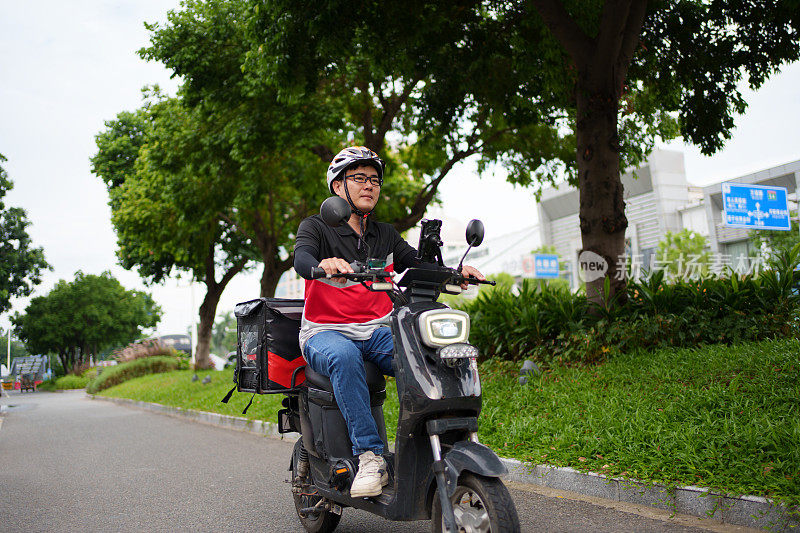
[[350, 155]]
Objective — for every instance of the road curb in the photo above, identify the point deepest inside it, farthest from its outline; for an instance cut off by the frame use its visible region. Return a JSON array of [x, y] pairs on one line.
[[749, 511]]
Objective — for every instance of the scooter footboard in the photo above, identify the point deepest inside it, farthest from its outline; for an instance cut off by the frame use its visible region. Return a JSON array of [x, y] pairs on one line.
[[472, 457]]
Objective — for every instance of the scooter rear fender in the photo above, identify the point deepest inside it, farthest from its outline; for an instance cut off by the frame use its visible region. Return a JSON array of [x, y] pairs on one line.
[[472, 457]]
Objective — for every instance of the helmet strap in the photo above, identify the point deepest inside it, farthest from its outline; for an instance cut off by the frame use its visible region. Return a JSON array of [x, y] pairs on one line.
[[360, 213], [353, 207]]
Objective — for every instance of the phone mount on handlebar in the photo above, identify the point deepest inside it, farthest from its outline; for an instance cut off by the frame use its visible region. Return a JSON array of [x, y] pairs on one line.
[[430, 242]]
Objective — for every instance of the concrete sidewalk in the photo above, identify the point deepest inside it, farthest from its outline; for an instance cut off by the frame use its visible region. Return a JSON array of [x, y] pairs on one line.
[[749, 511]]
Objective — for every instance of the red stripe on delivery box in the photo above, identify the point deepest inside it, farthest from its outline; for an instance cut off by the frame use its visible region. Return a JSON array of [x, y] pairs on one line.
[[280, 370]]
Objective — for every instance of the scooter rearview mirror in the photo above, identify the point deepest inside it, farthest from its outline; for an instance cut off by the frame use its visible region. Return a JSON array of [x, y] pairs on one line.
[[474, 238], [475, 232], [335, 211]]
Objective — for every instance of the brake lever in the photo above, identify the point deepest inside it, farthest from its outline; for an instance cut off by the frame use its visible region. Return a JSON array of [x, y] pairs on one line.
[[473, 280], [476, 281]]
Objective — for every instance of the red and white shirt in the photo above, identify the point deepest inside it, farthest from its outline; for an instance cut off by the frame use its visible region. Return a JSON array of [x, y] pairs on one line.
[[348, 308]]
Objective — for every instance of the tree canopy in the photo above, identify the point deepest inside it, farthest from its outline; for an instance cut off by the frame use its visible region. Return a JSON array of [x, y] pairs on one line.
[[84, 317], [21, 264], [618, 74], [163, 182]]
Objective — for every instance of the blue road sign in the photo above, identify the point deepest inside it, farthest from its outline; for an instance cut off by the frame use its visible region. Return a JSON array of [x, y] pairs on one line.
[[755, 207], [545, 266]]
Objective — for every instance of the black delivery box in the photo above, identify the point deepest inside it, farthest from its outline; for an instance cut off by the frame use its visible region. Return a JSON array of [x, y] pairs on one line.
[[268, 350]]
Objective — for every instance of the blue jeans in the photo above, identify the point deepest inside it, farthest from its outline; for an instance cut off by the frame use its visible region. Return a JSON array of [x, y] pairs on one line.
[[342, 360]]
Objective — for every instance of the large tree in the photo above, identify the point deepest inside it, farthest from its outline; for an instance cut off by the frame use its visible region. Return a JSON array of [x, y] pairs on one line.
[[276, 152], [81, 318], [615, 72], [160, 205], [687, 56], [21, 264]]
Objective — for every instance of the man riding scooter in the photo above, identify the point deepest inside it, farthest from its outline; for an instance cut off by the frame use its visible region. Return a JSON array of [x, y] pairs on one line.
[[344, 323]]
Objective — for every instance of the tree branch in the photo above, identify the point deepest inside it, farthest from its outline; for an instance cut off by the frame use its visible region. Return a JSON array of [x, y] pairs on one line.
[[630, 40], [323, 152], [235, 226], [366, 116], [425, 196], [392, 107], [609, 39], [379, 93], [235, 269], [574, 40]]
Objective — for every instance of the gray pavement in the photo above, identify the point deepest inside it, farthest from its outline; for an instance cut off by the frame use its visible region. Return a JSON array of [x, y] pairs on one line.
[[68, 463]]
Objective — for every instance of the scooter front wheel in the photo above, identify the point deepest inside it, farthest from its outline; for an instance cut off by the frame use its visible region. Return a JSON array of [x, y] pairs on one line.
[[320, 521], [481, 505]]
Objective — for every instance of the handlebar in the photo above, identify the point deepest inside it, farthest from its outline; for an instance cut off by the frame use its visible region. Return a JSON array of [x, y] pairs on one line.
[[365, 275], [362, 274]]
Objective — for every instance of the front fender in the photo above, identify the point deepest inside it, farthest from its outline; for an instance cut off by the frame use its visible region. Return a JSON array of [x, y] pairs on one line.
[[472, 457]]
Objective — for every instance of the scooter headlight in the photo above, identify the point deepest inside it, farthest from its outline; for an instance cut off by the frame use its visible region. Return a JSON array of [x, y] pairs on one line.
[[441, 327]]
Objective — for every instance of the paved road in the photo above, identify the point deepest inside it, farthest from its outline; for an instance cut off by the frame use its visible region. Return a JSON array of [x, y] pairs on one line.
[[69, 463]]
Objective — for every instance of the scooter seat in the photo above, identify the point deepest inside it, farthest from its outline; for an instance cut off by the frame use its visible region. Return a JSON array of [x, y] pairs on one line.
[[375, 380]]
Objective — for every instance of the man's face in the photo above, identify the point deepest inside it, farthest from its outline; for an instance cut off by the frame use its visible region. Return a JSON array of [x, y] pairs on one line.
[[364, 195]]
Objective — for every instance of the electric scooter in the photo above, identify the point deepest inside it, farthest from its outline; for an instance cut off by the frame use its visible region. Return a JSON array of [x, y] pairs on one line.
[[438, 469]]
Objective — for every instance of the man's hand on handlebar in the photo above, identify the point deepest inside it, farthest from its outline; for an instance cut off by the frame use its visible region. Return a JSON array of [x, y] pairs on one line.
[[468, 271], [336, 265]]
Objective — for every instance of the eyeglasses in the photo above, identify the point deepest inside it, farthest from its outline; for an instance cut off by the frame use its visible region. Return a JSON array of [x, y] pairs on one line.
[[363, 178]]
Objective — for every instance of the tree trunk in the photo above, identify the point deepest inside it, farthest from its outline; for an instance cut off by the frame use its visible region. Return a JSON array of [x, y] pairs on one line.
[[62, 356], [602, 63], [208, 310], [270, 277], [602, 208]]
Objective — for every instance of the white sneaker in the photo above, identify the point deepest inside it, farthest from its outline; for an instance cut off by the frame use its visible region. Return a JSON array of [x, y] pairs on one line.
[[371, 476]]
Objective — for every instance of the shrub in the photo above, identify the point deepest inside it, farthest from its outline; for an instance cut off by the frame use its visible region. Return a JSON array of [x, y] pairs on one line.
[[147, 348], [91, 373], [48, 385], [71, 382], [554, 326], [114, 375]]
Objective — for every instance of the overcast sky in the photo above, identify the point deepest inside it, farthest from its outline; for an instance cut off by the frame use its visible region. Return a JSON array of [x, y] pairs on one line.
[[66, 67]]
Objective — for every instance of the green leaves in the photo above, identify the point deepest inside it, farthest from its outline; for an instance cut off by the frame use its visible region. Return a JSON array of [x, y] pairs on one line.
[[694, 56], [21, 264], [84, 317], [554, 326]]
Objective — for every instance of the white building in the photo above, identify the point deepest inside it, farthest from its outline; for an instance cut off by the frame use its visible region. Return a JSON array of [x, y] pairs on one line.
[[659, 199]]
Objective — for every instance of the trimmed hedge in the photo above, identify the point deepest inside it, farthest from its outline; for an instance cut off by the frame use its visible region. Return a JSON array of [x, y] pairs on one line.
[[114, 375], [67, 382], [71, 382]]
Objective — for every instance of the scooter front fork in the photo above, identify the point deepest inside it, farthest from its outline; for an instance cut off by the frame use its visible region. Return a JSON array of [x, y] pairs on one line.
[[439, 468]]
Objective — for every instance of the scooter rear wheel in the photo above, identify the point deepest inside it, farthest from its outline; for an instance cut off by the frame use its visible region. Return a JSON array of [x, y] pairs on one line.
[[481, 505], [321, 521]]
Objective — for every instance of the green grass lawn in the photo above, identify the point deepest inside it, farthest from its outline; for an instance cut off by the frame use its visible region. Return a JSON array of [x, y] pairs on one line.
[[177, 389], [721, 417]]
